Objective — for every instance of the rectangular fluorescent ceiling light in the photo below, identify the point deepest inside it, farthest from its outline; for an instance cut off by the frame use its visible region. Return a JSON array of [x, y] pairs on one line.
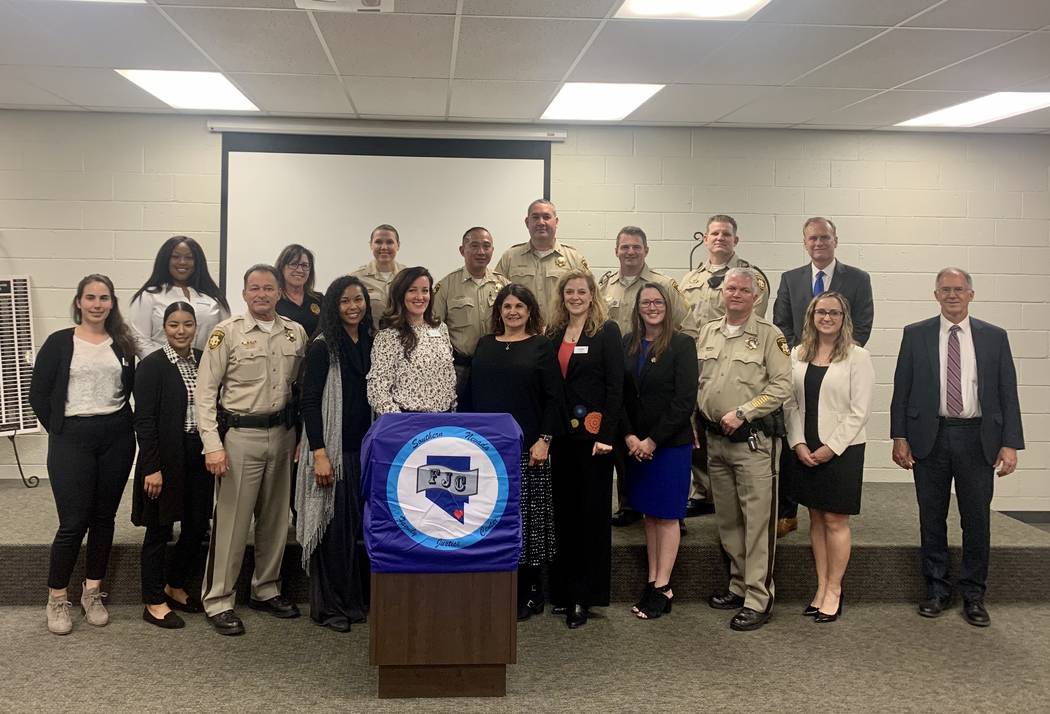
[[994, 107], [598, 101], [125, 2], [190, 90], [691, 9]]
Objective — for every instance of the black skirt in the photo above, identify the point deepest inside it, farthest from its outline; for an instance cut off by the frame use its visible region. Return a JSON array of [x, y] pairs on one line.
[[834, 486]]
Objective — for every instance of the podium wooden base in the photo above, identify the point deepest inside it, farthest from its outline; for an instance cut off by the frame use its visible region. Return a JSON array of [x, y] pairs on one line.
[[443, 634]]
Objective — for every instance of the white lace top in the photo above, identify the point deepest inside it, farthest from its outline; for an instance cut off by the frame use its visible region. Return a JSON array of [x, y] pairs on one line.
[[94, 379]]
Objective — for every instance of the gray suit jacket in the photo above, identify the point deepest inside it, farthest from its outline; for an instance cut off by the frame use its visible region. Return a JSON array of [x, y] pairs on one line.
[[796, 292]]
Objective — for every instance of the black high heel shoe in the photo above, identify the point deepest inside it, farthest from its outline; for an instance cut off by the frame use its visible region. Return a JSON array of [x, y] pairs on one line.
[[810, 611], [532, 606], [649, 587], [658, 604], [825, 617]]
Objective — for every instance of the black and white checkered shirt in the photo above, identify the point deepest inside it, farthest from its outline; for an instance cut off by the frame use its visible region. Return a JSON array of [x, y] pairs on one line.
[[188, 369]]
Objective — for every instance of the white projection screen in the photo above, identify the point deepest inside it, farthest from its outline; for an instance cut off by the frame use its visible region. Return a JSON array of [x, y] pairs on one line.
[[328, 193]]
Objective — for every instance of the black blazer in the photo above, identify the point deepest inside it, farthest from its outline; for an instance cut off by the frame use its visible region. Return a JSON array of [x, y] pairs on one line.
[[160, 410], [917, 389], [796, 292], [50, 384], [594, 383], [659, 402]]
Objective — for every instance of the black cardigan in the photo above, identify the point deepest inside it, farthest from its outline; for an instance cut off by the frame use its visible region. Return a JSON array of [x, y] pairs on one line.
[[659, 402], [160, 412], [50, 385], [594, 382]]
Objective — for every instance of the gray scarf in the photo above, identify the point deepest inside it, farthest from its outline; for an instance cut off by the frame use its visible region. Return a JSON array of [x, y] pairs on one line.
[[314, 505]]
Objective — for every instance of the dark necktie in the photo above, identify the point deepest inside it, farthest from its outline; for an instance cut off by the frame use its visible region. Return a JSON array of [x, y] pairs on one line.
[[818, 285], [953, 396]]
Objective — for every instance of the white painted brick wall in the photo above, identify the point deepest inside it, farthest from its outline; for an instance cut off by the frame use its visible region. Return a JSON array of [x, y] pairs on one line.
[[83, 192]]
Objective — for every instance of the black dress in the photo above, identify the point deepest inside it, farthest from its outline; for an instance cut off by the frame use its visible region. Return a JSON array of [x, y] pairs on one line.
[[834, 486], [308, 314]]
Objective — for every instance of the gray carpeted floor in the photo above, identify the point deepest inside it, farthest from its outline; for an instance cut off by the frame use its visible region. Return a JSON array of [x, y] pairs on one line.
[[877, 658]]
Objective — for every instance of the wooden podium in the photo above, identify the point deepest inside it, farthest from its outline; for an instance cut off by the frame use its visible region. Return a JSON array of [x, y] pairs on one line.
[[443, 634]]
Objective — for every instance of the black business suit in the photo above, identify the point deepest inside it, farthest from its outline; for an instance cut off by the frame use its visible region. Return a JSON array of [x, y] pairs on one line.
[[796, 292], [186, 490], [582, 483], [965, 452]]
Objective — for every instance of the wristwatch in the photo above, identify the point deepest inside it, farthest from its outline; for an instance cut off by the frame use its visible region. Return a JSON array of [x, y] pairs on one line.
[[546, 438], [740, 414]]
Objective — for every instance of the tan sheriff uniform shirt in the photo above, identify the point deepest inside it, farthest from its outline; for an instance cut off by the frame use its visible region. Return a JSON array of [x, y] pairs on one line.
[[520, 264], [378, 287], [620, 296], [255, 369], [707, 301], [466, 307], [750, 371]]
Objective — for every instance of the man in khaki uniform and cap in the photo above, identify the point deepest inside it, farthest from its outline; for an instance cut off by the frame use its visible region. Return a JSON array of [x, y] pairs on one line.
[[745, 376], [379, 272], [540, 263], [619, 289], [253, 358], [463, 300], [701, 287]]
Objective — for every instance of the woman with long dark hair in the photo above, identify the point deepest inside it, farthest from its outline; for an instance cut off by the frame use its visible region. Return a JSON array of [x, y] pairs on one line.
[[180, 272], [299, 302], [82, 383], [171, 483], [659, 400], [336, 415], [514, 371], [412, 356], [590, 354]]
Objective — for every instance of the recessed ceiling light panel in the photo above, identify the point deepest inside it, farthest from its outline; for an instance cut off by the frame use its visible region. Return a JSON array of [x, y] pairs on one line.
[[597, 101], [691, 9], [190, 90], [123, 2], [983, 110]]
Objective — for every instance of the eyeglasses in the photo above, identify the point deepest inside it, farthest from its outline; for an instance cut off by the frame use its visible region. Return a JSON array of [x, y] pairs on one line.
[[952, 290], [646, 304], [828, 313], [304, 266]]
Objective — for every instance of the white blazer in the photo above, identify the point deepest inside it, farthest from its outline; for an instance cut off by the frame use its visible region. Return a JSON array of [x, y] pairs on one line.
[[845, 401]]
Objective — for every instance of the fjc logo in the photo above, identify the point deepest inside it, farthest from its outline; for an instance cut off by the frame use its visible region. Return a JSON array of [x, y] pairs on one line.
[[447, 488]]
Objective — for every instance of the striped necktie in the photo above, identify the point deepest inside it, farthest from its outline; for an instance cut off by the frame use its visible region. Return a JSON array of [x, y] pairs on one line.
[[818, 284], [953, 389]]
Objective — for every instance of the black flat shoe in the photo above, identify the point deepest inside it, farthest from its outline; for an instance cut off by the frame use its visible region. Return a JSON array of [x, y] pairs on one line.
[[823, 617], [576, 617], [227, 623], [657, 604], [529, 608], [695, 507], [191, 606], [560, 610], [277, 606], [726, 601], [934, 606], [748, 619], [170, 621], [975, 613], [337, 624], [810, 611]]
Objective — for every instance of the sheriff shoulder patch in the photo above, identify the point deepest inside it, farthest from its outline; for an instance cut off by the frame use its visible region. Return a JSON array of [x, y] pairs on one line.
[[216, 339], [782, 343]]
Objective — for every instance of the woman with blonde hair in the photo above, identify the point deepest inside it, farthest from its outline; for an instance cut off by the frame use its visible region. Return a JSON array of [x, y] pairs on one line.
[[829, 405], [590, 356]]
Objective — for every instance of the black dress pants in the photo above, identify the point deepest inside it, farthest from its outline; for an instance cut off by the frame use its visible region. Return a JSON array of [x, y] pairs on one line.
[[88, 464], [957, 455], [188, 554], [582, 492]]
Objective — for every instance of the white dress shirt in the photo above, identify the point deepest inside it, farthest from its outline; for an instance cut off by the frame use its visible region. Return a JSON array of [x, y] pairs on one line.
[[146, 317], [828, 273], [967, 361]]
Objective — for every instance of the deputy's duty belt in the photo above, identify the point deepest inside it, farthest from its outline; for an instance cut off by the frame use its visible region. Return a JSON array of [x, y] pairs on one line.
[[254, 421], [737, 437]]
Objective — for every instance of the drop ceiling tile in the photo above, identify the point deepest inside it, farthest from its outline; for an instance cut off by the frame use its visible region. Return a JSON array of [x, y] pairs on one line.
[[255, 41], [1024, 60], [902, 55], [792, 105], [500, 100], [389, 45], [892, 107], [695, 103], [841, 12], [308, 94], [398, 96], [15, 90], [540, 8], [426, 7], [1040, 85], [273, 4], [662, 51], [519, 49], [91, 87], [94, 35], [777, 54], [986, 15]]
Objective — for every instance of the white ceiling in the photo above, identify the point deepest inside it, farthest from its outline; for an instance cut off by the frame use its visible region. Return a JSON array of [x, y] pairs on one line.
[[846, 64]]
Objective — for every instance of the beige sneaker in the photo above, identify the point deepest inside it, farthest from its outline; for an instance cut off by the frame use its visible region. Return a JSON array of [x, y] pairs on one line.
[[58, 620], [94, 611]]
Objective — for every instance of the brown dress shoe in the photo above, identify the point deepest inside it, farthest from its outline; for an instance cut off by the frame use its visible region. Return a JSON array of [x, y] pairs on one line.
[[785, 526]]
